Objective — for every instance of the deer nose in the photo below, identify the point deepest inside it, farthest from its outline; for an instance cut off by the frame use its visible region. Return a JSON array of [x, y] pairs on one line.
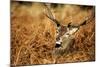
[[58, 44]]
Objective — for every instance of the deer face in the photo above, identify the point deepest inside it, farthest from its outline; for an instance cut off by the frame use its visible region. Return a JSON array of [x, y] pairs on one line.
[[64, 32]]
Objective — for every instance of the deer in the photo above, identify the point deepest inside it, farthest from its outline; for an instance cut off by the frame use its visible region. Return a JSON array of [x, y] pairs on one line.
[[64, 33]]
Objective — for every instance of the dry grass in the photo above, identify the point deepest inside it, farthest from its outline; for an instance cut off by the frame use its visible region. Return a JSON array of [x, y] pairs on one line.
[[33, 35]]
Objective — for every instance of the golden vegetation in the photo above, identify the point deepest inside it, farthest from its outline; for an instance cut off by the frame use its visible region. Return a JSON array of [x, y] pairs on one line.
[[33, 35]]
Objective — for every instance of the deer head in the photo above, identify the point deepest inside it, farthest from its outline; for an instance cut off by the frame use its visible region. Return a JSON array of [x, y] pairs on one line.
[[64, 32]]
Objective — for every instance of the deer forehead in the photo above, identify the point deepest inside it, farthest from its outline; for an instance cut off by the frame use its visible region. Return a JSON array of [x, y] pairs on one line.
[[69, 31]]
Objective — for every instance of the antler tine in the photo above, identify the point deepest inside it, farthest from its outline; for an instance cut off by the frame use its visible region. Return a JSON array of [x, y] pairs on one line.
[[83, 23], [50, 15], [49, 11], [77, 27]]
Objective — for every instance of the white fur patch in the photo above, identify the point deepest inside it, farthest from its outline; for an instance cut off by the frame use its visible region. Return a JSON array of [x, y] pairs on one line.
[[72, 31]]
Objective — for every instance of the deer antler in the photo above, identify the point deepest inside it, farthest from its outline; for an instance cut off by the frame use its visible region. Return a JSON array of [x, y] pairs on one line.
[[50, 15], [65, 32]]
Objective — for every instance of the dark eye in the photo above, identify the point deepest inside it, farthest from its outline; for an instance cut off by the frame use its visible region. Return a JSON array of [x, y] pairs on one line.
[[58, 25], [69, 24]]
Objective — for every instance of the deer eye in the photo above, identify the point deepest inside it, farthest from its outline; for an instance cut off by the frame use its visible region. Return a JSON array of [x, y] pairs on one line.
[[58, 25]]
